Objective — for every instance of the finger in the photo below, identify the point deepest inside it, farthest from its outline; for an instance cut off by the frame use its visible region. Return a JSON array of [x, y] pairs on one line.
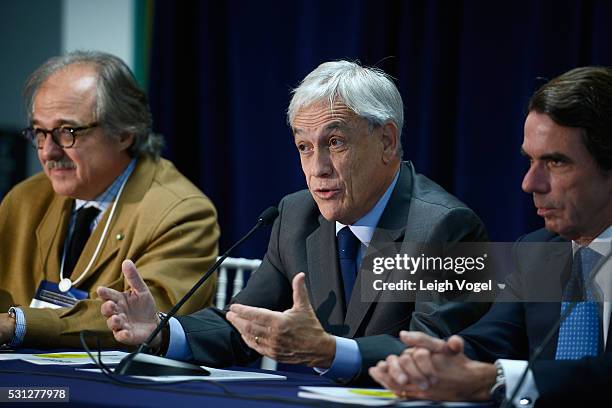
[[404, 368], [381, 374], [378, 375], [396, 371], [259, 315], [246, 327], [455, 344], [422, 359], [116, 322], [300, 294], [255, 345], [124, 336], [132, 277], [109, 294], [418, 339], [108, 308]]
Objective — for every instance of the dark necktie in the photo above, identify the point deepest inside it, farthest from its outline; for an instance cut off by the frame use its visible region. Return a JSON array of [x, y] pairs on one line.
[[348, 245], [579, 334], [80, 235]]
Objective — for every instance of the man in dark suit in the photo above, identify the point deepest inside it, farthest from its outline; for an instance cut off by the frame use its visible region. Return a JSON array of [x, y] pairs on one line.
[[303, 305], [568, 141]]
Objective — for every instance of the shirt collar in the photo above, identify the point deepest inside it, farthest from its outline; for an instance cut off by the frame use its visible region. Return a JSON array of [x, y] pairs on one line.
[[364, 227], [600, 244], [102, 201]]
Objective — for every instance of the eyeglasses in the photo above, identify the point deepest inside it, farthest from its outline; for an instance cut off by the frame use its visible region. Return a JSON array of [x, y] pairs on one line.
[[63, 136]]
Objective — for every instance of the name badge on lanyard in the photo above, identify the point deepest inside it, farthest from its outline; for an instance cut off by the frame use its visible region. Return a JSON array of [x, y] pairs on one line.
[[50, 296]]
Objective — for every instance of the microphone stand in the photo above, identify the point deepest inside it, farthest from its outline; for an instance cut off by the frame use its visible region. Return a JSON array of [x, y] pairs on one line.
[[139, 363]]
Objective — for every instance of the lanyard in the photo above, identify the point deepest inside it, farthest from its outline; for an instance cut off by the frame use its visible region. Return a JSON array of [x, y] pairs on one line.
[[66, 283]]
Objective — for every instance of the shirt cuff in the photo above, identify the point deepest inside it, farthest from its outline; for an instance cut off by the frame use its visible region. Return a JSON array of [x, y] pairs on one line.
[[20, 327], [513, 370], [347, 361], [178, 347]]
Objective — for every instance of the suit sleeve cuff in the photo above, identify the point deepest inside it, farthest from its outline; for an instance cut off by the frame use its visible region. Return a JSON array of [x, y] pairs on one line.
[[528, 394], [178, 347], [347, 361]]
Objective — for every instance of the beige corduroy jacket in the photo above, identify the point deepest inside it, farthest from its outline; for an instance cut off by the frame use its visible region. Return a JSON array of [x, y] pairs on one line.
[[162, 222]]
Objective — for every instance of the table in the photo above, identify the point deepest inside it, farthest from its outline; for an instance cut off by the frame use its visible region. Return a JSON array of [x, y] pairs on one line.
[[96, 390]]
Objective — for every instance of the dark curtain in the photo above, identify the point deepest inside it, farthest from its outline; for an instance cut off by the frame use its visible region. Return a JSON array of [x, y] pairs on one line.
[[221, 74]]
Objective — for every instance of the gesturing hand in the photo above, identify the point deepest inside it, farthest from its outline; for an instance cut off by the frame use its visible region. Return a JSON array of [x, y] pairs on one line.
[[131, 315], [294, 336]]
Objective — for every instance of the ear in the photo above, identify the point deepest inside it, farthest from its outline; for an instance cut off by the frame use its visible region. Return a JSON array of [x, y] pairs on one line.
[[126, 140], [390, 142]]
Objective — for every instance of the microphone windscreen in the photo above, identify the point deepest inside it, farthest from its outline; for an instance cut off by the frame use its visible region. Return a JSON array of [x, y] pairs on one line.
[[268, 216]]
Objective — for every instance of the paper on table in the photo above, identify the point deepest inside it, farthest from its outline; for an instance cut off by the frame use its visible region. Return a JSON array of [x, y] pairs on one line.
[[216, 374], [374, 397], [67, 358]]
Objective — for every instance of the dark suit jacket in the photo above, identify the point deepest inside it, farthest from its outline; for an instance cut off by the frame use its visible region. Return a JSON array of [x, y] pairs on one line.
[[514, 329], [303, 241]]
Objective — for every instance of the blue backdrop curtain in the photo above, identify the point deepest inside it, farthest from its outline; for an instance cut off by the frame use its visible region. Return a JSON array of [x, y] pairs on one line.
[[221, 74]]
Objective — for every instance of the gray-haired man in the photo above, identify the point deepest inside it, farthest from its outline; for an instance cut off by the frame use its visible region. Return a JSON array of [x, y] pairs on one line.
[[105, 195], [300, 306]]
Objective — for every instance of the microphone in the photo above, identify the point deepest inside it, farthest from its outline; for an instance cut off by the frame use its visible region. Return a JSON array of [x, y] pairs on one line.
[[138, 363], [538, 350]]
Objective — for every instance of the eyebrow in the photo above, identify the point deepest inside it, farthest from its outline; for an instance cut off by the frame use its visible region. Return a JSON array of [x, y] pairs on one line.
[[553, 156], [69, 122], [336, 125]]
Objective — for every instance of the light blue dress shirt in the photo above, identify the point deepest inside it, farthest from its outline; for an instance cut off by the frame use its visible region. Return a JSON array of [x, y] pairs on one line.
[[347, 360]]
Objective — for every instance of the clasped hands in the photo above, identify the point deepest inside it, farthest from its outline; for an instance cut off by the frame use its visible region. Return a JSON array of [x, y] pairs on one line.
[[294, 336], [434, 369]]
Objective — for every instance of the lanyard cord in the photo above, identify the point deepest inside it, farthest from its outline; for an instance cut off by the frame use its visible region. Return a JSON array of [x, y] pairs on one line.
[[95, 255]]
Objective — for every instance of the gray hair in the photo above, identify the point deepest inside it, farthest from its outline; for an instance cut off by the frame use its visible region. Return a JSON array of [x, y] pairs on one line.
[[367, 91], [121, 105]]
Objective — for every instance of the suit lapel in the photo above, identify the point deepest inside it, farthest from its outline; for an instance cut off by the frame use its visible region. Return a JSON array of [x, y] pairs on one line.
[[555, 270], [324, 279], [390, 230], [137, 185], [50, 236], [548, 268]]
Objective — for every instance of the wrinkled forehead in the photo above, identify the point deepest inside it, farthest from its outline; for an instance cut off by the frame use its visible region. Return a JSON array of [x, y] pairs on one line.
[[76, 81], [322, 113]]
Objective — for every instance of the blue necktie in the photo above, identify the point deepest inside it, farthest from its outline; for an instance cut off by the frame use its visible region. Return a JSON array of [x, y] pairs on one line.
[[579, 334], [348, 245]]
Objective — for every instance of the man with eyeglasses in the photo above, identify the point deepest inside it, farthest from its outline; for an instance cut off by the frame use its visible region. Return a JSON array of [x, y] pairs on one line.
[[104, 196]]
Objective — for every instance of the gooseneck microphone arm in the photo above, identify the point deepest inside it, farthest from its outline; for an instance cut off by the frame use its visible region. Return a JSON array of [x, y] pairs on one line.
[[153, 365], [264, 219]]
